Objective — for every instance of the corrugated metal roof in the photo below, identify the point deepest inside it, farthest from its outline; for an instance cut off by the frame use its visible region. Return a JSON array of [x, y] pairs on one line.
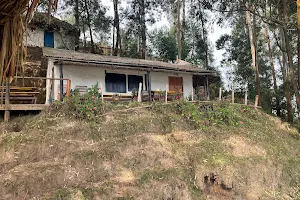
[[66, 55]]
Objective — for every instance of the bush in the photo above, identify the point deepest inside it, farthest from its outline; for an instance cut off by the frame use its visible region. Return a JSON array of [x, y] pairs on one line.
[[205, 115], [86, 106]]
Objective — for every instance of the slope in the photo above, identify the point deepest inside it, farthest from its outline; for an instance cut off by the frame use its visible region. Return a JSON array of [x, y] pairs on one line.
[[176, 151]]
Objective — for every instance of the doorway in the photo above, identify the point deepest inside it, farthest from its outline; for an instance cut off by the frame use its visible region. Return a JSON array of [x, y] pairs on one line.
[[49, 39], [175, 84]]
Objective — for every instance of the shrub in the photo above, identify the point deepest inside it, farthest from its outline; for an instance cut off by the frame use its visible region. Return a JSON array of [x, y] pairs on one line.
[[204, 115], [86, 106]]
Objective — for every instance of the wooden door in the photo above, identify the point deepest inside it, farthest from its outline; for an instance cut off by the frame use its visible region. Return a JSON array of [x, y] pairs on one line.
[[49, 39], [175, 84]]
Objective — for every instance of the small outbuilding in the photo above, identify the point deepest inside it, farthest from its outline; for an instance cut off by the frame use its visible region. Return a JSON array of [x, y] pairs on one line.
[[56, 34], [119, 75]]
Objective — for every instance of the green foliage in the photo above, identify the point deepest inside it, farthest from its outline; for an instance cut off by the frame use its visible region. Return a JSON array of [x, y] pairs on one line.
[[129, 46], [99, 21], [62, 194], [164, 43], [87, 106], [202, 116]]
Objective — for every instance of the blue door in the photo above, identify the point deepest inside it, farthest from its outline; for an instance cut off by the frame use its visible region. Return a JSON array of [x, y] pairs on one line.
[[49, 39]]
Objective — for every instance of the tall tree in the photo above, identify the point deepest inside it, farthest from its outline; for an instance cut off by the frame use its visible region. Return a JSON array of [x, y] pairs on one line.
[[289, 54], [253, 42], [143, 28], [76, 14], [183, 22], [273, 71], [89, 26], [90, 16], [118, 46], [298, 42], [137, 14], [178, 28], [164, 44]]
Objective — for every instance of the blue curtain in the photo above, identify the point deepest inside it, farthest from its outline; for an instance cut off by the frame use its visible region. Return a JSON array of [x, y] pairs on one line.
[[115, 83]]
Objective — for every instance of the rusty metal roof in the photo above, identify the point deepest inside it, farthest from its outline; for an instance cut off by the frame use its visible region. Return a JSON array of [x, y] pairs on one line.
[[148, 65]]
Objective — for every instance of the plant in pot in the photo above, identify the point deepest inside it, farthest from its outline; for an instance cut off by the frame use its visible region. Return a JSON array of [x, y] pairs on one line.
[[134, 94], [161, 95], [116, 97]]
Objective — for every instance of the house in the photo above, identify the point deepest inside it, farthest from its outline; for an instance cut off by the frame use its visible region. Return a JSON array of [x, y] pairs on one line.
[[58, 34], [120, 75]]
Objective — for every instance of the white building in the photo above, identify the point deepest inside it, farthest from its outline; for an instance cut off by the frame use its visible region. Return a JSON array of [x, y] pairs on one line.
[[58, 34], [120, 75]]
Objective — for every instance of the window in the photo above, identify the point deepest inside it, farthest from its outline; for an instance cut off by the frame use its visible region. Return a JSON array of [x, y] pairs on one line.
[[115, 83], [134, 81]]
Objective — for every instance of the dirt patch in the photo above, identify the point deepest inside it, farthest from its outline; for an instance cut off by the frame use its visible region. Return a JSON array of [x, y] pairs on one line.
[[281, 125], [242, 148], [126, 177], [181, 136], [66, 125], [6, 156]]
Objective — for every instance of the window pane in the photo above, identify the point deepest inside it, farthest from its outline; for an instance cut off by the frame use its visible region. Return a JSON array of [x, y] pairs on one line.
[[134, 81], [115, 83]]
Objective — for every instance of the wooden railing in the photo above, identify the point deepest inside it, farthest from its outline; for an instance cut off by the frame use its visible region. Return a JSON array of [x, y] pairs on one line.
[[61, 85]]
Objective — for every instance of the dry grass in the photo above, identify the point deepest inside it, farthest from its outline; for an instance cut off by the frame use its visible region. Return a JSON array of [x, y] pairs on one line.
[[150, 154]]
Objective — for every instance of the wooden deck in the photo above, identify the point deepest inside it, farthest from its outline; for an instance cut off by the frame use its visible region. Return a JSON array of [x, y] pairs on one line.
[[33, 107]]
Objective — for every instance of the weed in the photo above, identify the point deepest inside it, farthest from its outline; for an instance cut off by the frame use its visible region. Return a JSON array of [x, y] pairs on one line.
[[62, 194]]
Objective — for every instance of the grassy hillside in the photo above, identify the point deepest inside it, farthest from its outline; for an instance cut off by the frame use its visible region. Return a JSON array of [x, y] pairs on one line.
[[179, 151]]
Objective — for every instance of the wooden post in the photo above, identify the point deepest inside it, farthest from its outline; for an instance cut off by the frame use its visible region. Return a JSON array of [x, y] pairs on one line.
[[149, 85], [140, 92], [192, 94], [208, 92], [220, 94], [256, 101], [61, 83], [246, 97], [232, 95], [166, 95], [101, 89], [68, 89], [7, 94]]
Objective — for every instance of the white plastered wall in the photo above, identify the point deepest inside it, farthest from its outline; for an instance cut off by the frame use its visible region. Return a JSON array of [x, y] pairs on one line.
[[34, 37], [89, 75], [159, 80]]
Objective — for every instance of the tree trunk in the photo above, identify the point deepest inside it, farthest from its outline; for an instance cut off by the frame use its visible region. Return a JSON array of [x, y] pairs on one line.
[[298, 43], [117, 26], [89, 25], [183, 22], [76, 11], [84, 36], [49, 11], [273, 72], [290, 57], [143, 29], [253, 50], [286, 82], [178, 29], [204, 37], [113, 47]]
